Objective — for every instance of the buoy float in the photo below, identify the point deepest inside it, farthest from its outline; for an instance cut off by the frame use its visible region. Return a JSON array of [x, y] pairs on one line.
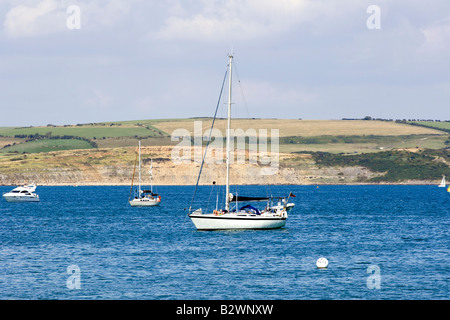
[[322, 263]]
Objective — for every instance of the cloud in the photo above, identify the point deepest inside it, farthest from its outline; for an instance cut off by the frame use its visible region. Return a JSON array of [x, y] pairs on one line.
[[105, 13], [50, 16], [302, 58], [246, 19], [25, 21]]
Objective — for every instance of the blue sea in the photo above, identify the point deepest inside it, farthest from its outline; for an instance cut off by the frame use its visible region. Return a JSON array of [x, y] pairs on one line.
[[381, 242]]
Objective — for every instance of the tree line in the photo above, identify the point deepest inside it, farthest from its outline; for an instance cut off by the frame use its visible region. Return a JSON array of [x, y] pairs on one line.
[[48, 135]]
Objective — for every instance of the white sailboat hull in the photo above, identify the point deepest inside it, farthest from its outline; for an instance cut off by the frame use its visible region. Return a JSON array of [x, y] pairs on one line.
[[233, 221], [143, 202]]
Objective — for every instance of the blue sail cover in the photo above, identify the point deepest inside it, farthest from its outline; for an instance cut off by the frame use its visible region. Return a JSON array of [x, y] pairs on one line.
[[250, 209]]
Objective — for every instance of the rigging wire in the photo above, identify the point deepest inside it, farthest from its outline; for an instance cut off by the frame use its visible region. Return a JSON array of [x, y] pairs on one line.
[[210, 194], [242, 92], [209, 140], [132, 180], [248, 113]]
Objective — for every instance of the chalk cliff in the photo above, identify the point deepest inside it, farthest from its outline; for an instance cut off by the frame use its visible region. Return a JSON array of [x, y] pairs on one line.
[[116, 166]]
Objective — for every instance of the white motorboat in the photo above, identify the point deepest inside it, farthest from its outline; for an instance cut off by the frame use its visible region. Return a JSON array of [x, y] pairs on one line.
[[144, 198], [247, 216], [22, 194]]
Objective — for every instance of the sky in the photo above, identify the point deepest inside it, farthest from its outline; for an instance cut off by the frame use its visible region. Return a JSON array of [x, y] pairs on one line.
[[69, 61]]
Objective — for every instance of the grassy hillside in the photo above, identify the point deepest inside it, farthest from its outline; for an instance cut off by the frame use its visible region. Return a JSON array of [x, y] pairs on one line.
[[89, 131], [361, 143], [335, 136], [441, 125], [304, 128], [47, 145], [391, 151], [395, 165]]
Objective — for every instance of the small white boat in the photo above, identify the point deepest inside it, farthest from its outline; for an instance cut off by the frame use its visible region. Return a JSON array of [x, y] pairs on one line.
[[442, 184], [22, 194], [144, 198]]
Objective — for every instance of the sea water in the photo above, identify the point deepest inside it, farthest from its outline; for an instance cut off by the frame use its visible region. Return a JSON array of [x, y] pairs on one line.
[[381, 242]]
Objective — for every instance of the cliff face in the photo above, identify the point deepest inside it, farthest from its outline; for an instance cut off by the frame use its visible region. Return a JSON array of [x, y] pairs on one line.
[[116, 167]]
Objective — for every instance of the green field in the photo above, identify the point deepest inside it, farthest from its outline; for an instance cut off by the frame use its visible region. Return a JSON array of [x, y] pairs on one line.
[[360, 144], [47, 145], [96, 131], [334, 136], [444, 125]]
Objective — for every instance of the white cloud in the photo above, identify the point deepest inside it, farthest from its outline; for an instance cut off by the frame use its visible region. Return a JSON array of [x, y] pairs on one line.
[[302, 56], [44, 18], [105, 13], [246, 19], [50, 16]]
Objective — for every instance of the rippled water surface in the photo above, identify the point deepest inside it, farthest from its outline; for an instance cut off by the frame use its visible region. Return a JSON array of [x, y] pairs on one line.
[[156, 253]]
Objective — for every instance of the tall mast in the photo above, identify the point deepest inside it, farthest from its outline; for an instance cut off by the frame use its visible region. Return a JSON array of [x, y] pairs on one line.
[[139, 168], [227, 192], [151, 176]]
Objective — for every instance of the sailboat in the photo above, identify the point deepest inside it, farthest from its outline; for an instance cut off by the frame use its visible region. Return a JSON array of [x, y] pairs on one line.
[[144, 198], [442, 184], [241, 216]]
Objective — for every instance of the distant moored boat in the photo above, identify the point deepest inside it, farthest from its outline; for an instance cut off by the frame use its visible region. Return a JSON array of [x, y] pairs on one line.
[[144, 198], [442, 184]]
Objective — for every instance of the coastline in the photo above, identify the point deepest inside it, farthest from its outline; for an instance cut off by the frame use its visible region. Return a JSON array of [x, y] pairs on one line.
[[114, 167], [105, 184]]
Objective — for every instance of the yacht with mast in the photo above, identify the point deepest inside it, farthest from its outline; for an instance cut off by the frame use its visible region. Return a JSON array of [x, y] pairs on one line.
[[241, 216], [144, 198]]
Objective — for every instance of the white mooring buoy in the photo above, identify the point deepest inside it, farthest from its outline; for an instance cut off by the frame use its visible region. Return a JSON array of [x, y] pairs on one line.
[[322, 263]]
